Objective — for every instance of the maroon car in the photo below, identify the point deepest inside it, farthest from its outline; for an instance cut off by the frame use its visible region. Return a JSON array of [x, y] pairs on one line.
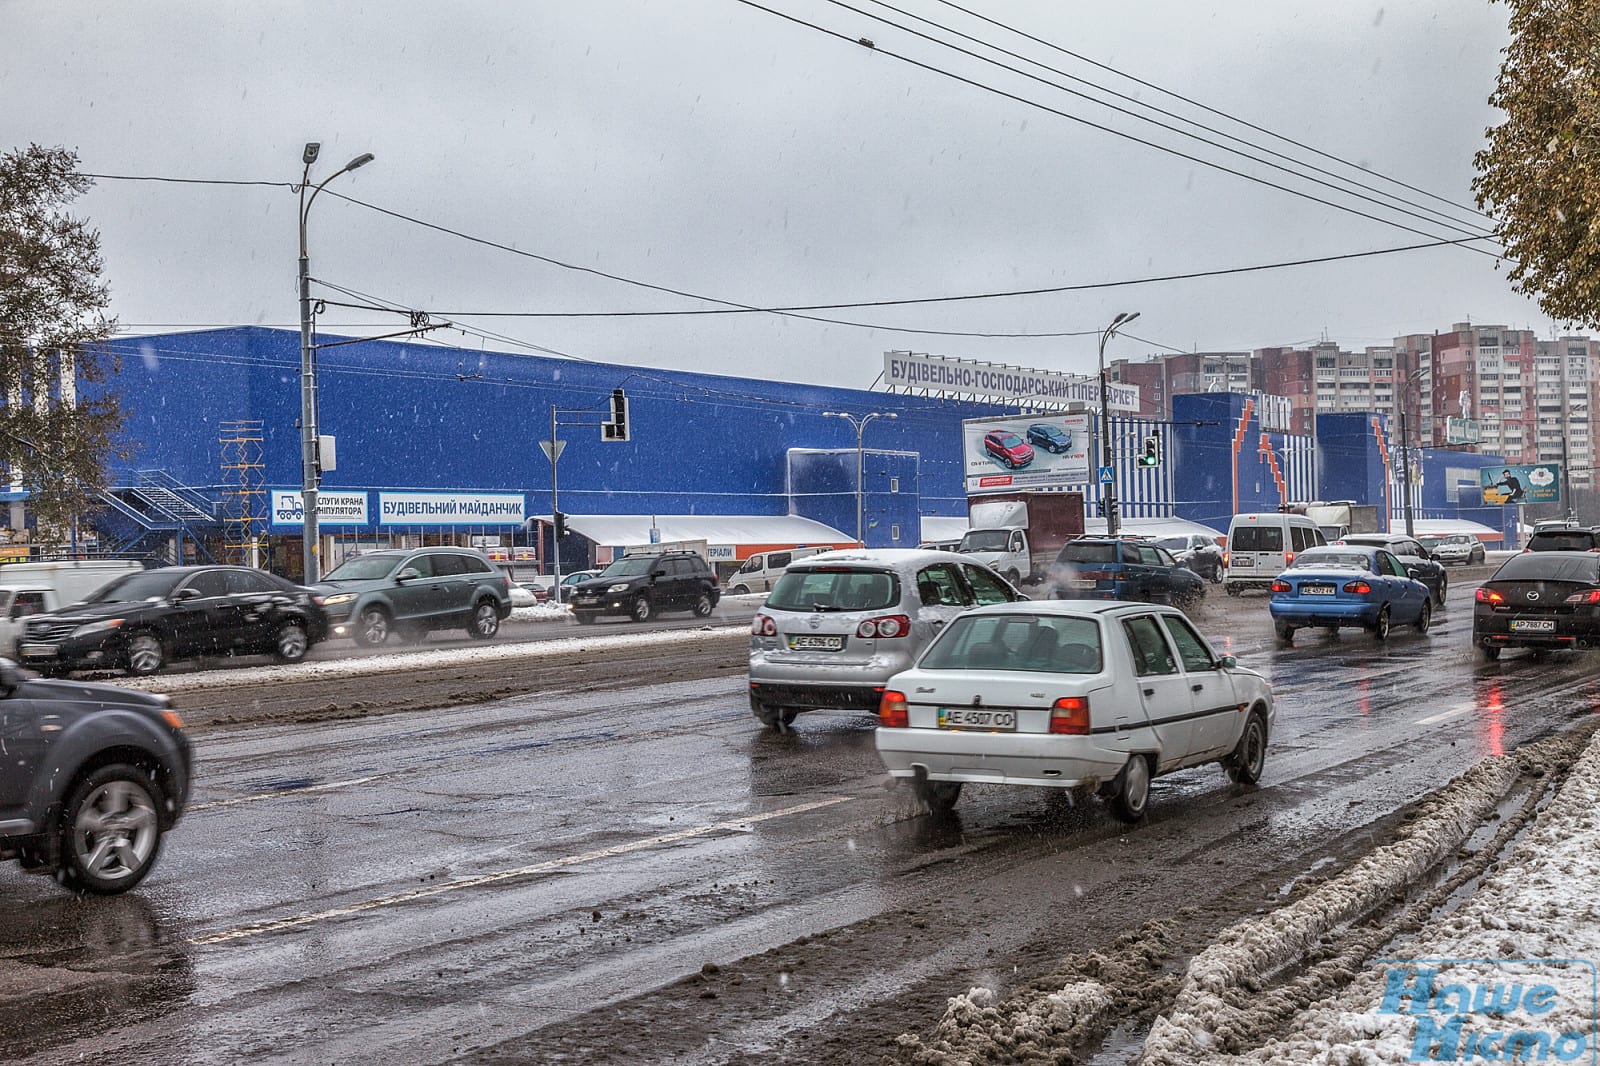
[[1008, 449]]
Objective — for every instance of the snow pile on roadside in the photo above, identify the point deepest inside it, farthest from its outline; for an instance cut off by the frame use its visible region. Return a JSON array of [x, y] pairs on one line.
[[427, 659], [1208, 1007], [541, 612], [1542, 903]]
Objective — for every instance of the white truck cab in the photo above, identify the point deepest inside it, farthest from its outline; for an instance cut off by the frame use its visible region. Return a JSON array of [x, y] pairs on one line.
[[27, 589]]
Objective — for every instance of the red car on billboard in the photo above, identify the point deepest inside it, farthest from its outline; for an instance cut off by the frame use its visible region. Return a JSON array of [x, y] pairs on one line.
[[1007, 449]]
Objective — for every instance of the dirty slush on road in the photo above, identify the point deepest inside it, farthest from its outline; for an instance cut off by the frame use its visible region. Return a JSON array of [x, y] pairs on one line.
[[1221, 975]]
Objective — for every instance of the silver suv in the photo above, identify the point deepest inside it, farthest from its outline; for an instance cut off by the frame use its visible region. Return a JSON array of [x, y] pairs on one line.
[[837, 626], [407, 592]]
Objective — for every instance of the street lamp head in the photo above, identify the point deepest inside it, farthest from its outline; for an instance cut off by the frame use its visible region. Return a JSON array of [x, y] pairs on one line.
[[360, 161], [832, 414], [1125, 318], [309, 156], [890, 414]]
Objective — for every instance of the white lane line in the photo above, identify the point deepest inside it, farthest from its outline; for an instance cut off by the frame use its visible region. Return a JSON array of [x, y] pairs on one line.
[[506, 875], [257, 797], [1444, 716]]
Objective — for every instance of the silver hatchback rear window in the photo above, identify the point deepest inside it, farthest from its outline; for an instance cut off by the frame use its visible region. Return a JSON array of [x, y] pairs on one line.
[[835, 588]]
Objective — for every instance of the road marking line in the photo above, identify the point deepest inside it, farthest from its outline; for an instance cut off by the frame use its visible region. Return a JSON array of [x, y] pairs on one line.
[[506, 875], [259, 796], [1444, 715]]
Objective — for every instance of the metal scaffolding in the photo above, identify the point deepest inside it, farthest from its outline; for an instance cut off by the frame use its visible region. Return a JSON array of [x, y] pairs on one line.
[[244, 496]]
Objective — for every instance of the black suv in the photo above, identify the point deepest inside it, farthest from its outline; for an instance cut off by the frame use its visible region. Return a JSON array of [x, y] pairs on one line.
[[640, 585], [143, 620], [408, 592], [1564, 539], [93, 775]]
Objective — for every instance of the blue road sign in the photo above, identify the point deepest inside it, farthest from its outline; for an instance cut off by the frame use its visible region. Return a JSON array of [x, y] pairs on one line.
[[1105, 475]]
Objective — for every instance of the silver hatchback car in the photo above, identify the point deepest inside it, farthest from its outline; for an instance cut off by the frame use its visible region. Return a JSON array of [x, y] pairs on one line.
[[838, 625]]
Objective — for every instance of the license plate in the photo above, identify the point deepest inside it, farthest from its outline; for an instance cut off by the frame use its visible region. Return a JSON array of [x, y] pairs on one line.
[[1080, 583], [977, 718], [1316, 590], [1244, 562], [1533, 625], [38, 651], [812, 642]]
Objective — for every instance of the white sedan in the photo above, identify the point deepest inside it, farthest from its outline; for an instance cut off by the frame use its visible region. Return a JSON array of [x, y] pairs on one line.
[[1071, 694]]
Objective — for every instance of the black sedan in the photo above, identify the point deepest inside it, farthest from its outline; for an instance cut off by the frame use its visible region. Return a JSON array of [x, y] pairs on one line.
[[1539, 600], [1116, 568], [1418, 561], [142, 621], [92, 778]]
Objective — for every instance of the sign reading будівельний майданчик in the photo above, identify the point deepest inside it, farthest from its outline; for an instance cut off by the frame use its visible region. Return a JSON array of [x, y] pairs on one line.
[[451, 509]]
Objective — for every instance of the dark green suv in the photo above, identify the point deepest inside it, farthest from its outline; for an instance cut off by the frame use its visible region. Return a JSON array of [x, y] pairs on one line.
[[407, 592], [640, 585]]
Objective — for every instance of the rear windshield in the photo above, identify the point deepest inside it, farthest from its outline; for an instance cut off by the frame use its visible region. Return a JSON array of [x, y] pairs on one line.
[[1089, 552], [1042, 644], [1315, 557], [1550, 568], [1258, 539], [1565, 541], [835, 588]]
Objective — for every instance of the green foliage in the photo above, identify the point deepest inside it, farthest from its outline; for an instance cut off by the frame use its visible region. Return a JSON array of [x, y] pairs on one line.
[[1540, 174], [55, 440]]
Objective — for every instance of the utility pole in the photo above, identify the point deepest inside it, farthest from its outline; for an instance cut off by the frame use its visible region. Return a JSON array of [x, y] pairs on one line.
[[552, 450], [860, 424], [1109, 492], [1405, 450]]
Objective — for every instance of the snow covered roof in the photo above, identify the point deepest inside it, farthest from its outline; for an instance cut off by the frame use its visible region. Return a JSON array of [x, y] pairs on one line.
[[1151, 527], [1443, 527], [939, 528], [628, 530]]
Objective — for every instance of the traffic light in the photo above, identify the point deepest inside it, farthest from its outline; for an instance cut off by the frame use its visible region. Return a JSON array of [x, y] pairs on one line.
[[1152, 451], [560, 524], [616, 428]]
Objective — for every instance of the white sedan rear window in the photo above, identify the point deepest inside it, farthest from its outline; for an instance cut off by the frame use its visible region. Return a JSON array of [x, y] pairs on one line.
[[1033, 643]]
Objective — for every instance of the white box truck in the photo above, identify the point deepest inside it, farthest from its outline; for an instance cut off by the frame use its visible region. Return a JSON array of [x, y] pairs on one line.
[[37, 588]]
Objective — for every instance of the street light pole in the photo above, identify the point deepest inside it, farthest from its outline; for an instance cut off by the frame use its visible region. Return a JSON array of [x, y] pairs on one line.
[[1405, 451], [1109, 492], [310, 460], [860, 424]]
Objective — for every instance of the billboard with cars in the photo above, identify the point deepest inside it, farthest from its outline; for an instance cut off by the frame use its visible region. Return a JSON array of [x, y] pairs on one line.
[[1024, 451], [1539, 483]]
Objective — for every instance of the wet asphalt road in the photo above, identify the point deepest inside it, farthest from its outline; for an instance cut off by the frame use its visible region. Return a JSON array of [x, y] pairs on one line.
[[543, 877]]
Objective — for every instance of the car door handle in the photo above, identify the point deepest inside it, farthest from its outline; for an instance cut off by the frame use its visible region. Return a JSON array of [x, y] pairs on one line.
[[1196, 688], [1149, 692]]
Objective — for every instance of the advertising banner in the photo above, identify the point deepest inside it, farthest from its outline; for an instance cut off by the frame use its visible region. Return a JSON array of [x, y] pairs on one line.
[[914, 370], [1520, 484], [450, 509], [1461, 431], [333, 508], [1025, 452]]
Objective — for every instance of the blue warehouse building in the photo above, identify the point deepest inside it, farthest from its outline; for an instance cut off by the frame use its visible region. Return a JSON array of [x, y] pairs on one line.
[[440, 444]]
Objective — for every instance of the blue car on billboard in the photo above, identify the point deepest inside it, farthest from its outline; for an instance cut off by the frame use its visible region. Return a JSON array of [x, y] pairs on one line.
[[1348, 585], [1052, 439]]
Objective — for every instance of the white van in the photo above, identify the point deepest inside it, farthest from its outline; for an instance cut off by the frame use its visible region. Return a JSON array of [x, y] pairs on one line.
[[760, 572], [1261, 546], [38, 588]]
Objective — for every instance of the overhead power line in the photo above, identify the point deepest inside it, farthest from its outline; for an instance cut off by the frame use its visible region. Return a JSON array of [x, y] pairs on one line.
[[1113, 131], [1446, 219], [1212, 110]]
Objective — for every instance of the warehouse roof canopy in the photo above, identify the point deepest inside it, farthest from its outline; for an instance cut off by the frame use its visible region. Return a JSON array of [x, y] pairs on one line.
[[757, 532]]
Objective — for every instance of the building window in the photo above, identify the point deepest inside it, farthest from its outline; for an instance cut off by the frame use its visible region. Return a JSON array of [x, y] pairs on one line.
[[894, 486], [894, 532]]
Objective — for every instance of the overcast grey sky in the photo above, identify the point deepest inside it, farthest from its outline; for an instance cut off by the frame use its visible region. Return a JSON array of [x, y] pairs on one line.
[[710, 147]]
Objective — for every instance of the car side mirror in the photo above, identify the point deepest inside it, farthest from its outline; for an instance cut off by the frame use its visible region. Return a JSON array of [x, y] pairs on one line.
[[1227, 662], [658, 573], [185, 594], [11, 676], [16, 611], [410, 573]]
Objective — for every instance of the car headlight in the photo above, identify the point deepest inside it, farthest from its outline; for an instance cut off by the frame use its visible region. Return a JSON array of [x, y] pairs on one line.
[[343, 597], [623, 587], [102, 626]]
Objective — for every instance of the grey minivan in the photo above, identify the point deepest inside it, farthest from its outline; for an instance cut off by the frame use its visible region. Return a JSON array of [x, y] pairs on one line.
[[408, 592]]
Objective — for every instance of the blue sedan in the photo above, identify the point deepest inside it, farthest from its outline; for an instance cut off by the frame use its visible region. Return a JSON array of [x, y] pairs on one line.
[[1348, 585]]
